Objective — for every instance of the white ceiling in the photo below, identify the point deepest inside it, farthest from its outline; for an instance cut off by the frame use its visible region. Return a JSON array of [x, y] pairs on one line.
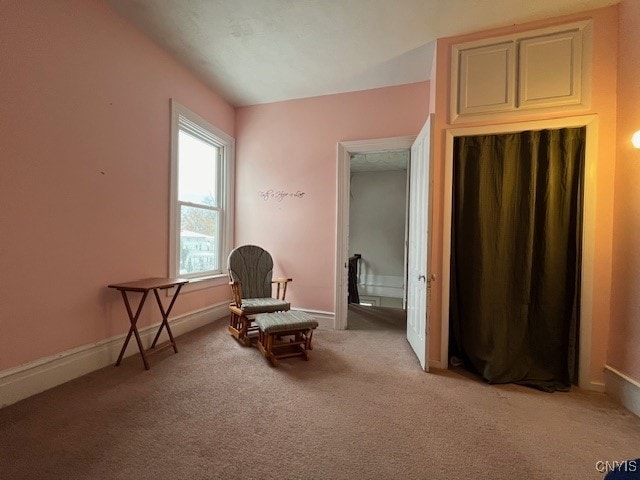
[[260, 51]]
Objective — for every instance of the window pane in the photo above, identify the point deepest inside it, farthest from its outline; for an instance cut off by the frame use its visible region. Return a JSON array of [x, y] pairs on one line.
[[197, 170], [199, 237]]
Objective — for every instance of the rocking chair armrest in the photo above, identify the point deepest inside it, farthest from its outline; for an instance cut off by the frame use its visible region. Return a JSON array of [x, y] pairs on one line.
[[282, 286], [236, 289]]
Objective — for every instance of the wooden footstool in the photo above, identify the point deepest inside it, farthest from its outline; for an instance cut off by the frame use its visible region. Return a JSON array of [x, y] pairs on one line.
[[273, 327]]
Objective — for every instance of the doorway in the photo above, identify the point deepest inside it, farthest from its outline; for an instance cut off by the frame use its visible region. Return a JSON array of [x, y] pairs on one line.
[[418, 284], [378, 228], [587, 231], [378, 201], [345, 152]]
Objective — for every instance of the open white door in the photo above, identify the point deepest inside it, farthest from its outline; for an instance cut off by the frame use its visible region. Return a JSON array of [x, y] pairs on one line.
[[419, 235]]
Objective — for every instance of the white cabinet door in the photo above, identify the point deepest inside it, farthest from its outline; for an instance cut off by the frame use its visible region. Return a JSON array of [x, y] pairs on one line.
[[550, 70], [487, 79]]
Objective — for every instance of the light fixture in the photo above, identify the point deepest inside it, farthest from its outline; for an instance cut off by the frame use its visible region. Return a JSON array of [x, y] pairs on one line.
[[636, 139]]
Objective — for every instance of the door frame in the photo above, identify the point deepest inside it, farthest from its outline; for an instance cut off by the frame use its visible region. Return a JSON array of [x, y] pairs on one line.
[[588, 227], [345, 150]]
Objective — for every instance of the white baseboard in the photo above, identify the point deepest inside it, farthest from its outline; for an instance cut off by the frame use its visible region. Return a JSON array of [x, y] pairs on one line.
[[381, 285], [623, 389], [374, 301], [326, 320], [595, 387], [39, 375]]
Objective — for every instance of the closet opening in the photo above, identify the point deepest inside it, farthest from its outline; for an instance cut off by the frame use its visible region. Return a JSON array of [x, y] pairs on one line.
[[516, 252]]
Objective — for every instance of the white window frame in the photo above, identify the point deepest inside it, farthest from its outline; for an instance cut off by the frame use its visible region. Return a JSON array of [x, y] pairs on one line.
[[226, 144]]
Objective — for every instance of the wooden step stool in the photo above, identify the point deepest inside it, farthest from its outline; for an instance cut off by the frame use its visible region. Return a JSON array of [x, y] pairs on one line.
[[273, 327]]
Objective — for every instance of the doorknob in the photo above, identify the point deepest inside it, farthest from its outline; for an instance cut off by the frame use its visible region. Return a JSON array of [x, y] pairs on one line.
[[421, 277]]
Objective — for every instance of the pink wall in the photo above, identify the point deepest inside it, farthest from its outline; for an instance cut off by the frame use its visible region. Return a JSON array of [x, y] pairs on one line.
[[84, 129], [624, 333], [292, 146], [603, 103]]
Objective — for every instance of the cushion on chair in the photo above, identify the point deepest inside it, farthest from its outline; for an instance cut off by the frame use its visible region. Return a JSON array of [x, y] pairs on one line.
[[252, 267], [262, 305], [284, 321]]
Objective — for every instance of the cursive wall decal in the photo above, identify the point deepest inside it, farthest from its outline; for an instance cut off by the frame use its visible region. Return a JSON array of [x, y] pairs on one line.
[[279, 195]]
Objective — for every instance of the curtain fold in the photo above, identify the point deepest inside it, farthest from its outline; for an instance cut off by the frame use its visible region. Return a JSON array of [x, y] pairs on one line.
[[515, 256]]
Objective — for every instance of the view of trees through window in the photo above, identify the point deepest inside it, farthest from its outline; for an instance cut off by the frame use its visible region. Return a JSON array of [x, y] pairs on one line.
[[199, 204]]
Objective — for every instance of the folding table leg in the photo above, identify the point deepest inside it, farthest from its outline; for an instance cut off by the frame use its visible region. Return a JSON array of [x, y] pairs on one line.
[[133, 319], [165, 317]]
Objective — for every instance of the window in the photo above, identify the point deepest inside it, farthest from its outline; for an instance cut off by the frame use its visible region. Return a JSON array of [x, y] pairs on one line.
[[201, 197]]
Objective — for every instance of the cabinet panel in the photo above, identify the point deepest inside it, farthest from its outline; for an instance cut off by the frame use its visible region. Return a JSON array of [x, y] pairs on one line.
[[550, 70], [486, 79], [547, 70]]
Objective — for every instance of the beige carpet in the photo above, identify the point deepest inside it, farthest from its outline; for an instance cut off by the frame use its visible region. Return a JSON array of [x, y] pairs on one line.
[[359, 409], [376, 318]]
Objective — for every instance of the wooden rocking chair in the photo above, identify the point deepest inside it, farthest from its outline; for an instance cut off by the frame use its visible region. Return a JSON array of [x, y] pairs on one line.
[[250, 274]]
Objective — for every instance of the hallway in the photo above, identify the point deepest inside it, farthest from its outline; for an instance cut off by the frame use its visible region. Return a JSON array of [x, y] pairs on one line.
[[376, 318]]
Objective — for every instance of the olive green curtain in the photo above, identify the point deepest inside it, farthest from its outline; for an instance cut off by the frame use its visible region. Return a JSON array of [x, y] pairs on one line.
[[515, 255]]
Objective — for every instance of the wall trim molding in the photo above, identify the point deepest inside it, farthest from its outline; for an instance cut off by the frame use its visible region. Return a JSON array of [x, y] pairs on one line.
[[596, 387], [326, 320], [623, 388], [376, 291], [381, 285], [47, 372]]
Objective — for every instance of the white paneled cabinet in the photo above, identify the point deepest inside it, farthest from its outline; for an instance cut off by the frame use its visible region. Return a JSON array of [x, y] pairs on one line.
[[550, 70], [487, 76], [545, 70]]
